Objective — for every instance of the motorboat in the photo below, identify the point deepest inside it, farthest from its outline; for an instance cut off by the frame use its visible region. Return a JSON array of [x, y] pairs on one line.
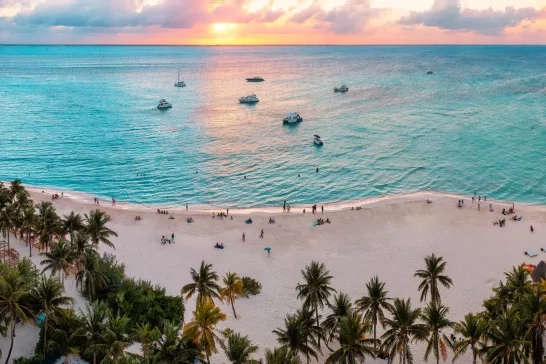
[[429, 72], [255, 79], [343, 88], [292, 118], [317, 140], [251, 99], [178, 82], [163, 105]]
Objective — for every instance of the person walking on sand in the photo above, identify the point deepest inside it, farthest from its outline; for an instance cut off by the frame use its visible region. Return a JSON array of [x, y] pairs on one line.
[[322, 208], [288, 207], [172, 237], [478, 206], [243, 237], [284, 206], [227, 212], [268, 253], [262, 234], [532, 230], [186, 207]]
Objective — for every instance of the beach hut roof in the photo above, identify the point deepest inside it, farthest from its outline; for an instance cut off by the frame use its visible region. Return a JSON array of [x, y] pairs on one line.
[[539, 272]]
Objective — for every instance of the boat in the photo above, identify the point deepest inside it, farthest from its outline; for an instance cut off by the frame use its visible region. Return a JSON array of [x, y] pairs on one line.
[[179, 83], [343, 88], [163, 104], [251, 99], [255, 79], [429, 72], [292, 118], [317, 140]]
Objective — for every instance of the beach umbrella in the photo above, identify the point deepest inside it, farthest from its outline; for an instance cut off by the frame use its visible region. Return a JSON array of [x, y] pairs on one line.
[[267, 248]]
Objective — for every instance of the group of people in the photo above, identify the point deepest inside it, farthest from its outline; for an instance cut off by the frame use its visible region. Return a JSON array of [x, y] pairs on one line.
[[166, 240], [96, 201], [221, 214], [314, 207], [272, 220], [500, 223], [358, 208], [285, 207], [322, 222], [510, 211], [55, 196], [219, 245], [189, 220], [163, 212], [138, 218]]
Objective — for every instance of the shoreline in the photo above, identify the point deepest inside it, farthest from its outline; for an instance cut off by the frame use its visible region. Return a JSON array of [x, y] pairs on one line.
[[367, 202]]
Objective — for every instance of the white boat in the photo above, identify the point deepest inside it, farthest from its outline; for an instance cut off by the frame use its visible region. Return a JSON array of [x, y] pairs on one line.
[[343, 88], [317, 140], [251, 99], [255, 79], [292, 118], [163, 104], [178, 82]]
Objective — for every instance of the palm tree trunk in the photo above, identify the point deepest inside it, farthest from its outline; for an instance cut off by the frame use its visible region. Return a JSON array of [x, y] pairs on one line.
[[8, 240], [29, 244], [45, 334], [375, 333], [12, 336], [318, 324], [208, 360], [233, 308], [94, 357], [404, 354]]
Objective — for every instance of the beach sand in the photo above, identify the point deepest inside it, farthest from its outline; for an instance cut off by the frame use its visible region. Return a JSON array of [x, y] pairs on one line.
[[389, 237]]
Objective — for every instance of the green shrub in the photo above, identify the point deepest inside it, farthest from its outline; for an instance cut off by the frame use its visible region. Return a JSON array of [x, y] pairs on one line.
[[251, 287]]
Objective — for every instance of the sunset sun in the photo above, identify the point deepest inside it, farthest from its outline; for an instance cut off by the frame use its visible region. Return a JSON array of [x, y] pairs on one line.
[[222, 27]]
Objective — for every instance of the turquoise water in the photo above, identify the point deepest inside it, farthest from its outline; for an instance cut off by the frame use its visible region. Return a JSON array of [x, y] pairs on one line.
[[477, 123]]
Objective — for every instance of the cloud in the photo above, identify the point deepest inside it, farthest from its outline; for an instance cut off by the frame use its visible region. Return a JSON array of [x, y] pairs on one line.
[[351, 17], [448, 14]]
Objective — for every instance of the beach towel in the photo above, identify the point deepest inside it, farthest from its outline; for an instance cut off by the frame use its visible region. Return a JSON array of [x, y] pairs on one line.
[[531, 253]]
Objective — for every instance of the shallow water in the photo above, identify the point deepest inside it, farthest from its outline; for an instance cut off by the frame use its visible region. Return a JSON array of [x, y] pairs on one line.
[[84, 118]]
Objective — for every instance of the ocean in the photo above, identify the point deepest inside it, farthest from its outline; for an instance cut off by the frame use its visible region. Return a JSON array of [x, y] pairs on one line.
[[84, 118]]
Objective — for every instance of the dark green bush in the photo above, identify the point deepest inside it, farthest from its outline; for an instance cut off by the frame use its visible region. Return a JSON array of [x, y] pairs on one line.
[[251, 287]]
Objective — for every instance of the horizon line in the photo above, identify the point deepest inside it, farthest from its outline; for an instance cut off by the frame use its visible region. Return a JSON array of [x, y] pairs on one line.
[[276, 45]]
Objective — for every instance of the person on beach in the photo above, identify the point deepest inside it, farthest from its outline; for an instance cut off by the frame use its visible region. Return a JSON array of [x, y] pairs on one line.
[[284, 206], [288, 207], [304, 211], [186, 207], [484, 198], [244, 237], [172, 237], [532, 230], [213, 215], [268, 253], [478, 206], [473, 198], [62, 195], [227, 212], [322, 209], [113, 201], [479, 198], [262, 234]]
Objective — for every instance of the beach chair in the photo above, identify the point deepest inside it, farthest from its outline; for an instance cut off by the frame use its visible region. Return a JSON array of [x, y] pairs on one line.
[[531, 253]]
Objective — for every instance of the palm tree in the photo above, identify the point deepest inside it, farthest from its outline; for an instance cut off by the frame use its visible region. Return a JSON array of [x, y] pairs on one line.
[[472, 329], [90, 277], [432, 275], [518, 283], [27, 224], [13, 302], [22, 200], [201, 330], [296, 337], [353, 341], [435, 318], [95, 225], [94, 328], [532, 309], [316, 290], [233, 289], [282, 355], [49, 297], [7, 221], [58, 259], [506, 339], [239, 348], [47, 223], [340, 306], [169, 347], [374, 304], [402, 329], [204, 283], [16, 187], [117, 337], [63, 338], [72, 224], [146, 336]]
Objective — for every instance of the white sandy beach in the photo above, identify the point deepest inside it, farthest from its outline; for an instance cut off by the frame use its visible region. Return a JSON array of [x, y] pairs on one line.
[[388, 237]]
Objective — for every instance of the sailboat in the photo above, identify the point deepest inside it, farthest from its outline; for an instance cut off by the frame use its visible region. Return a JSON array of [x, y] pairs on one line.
[[179, 83]]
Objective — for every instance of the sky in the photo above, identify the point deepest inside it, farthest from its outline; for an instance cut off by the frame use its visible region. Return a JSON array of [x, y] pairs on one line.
[[211, 22]]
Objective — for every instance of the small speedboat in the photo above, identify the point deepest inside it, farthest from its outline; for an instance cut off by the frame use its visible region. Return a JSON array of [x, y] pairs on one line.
[[178, 82], [163, 105], [317, 140], [255, 79], [343, 88], [429, 72], [251, 99], [292, 118]]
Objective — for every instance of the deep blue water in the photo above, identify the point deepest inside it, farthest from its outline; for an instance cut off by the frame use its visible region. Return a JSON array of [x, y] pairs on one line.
[[477, 123]]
